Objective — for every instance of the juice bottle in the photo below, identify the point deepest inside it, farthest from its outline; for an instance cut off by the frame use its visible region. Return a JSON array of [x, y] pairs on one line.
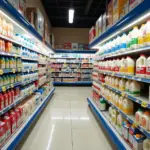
[[9, 98], [2, 62], [138, 116], [12, 115], [141, 36], [141, 66], [148, 67], [135, 88], [145, 120], [121, 102], [147, 33], [122, 66], [132, 132], [130, 65], [7, 63], [127, 85], [1, 81], [146, 145], [5, 99], [135, 34], [1, 102], [127, 106], [122, 84], [119, 123], [13, 95], [2, 132]]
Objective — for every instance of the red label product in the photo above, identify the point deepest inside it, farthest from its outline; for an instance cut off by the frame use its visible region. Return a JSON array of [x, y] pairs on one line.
[[13, 121], [1, 102], [2, 132]]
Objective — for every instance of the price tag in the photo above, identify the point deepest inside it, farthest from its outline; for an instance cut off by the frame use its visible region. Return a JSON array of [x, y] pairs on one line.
[[136, 124], [144, 104], [4, 88], [12, 85], [14, 70], [1, 72]]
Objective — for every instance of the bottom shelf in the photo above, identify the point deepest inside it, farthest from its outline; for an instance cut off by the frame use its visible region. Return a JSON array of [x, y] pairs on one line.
[[88, 83], [16, 137], [111, 131]]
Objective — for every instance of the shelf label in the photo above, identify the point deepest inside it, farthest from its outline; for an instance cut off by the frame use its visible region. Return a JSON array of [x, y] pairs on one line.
[[14, 70], [144, 104], [4, 88], [1, 72]]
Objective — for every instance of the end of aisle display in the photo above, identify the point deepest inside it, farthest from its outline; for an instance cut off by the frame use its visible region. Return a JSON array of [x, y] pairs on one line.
[[113, 134], [17, 137]]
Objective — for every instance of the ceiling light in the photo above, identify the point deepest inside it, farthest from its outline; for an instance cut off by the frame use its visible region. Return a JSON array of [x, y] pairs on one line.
[[71, 15]]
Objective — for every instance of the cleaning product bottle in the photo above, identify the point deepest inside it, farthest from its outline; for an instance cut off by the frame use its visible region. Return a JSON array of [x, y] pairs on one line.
[[130, 65], [135, 88], [145, 120], [141, 66], [141, 36], [128, 106], [138, 116], [147, 33]]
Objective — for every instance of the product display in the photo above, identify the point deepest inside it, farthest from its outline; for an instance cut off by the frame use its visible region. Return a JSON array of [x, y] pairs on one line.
[[74, 68]]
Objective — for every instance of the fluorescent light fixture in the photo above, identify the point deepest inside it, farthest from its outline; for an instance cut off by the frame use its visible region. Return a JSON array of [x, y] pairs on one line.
[[71, 15]]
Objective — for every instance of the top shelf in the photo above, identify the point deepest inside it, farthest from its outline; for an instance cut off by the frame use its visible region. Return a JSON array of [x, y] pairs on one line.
[[142, 8], [75, 51], [10, 11]]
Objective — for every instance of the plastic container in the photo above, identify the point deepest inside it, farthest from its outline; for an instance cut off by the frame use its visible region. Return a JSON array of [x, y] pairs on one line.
[[141, 36], [122, 84], [119, 123], [127, 85], [147, 33], [122, 66], [134, 35], [138, 116], [141, 66], [121, 102], [132, 132], [135, 88], [126, 132], [148, 67], [102, 105], [146, 144], [123, 46], [130, 66], [145, 120], [128, 106], [138, 140]]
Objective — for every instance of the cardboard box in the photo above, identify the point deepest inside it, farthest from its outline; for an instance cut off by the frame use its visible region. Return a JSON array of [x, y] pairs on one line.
[[74, 46], [110, 14], [118, 6], [104, 23], [134, 3], [67, 45], [92, 34], [36, 18]]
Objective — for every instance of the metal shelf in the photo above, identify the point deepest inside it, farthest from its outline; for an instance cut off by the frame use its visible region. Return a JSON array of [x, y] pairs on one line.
[[115, 137], [140, 100], [30, 59], [17, 137], [89, 83], [124, 21], [9, 54], [28, 82], [3, 71]]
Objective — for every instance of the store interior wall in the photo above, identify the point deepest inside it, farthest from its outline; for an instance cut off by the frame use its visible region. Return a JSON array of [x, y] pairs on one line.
[[38, 4], [73, 35]]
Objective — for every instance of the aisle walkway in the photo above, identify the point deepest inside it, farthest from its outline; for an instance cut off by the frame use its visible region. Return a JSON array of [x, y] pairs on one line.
[[67, 124]]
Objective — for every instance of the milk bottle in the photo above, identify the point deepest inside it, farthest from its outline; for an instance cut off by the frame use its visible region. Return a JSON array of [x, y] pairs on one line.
[[130, 65], [134, 35], [147, 33], [135, 88], [141, 36]]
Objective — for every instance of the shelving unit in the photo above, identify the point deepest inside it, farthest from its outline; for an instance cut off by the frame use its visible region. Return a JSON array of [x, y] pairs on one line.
[[72, 67], [112, 95], [21, 85]]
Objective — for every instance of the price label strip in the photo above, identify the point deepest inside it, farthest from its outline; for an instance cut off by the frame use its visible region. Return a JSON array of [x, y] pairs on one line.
[[144, 104]]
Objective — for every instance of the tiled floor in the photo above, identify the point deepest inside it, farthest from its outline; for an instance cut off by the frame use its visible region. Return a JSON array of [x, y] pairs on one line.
[[67, 124]]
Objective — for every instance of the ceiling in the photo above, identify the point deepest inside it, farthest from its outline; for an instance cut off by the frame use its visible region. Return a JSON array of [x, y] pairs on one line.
[[86, 12]]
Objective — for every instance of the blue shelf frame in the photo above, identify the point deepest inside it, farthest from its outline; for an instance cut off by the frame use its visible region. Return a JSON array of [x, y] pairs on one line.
[[75, 51], [88, 83], [7, 7], [19, 137], [112, 135], [131, 16]]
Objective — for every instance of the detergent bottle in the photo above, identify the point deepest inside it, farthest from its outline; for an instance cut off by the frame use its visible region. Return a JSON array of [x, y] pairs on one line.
[[145, 120], [141, 66], [134, 34]]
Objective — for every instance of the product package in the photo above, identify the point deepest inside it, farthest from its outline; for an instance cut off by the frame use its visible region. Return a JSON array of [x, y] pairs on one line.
[[67, 45], [110, 14], [80, 46], [22, 7], [92, 34], [104, 23], [134, 3], [74, 46]]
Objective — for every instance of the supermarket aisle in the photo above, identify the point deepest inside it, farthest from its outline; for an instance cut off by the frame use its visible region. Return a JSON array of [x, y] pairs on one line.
[[67, 124]]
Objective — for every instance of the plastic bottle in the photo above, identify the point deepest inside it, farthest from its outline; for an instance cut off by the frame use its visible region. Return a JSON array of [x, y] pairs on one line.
[[147, 33], [135, 88], [148, 67], [138, 141], [117, 83], [123, 46], [138, 116], [102, 104], [121, 102], [129, 41], [146, 145], [122, 66], [141, 66], [2, 62], [1, 102], [127, 85], [119, 122], [145, 120], [130, 65], [127, 106], [122, 84], [135, 35], [141, 36]]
